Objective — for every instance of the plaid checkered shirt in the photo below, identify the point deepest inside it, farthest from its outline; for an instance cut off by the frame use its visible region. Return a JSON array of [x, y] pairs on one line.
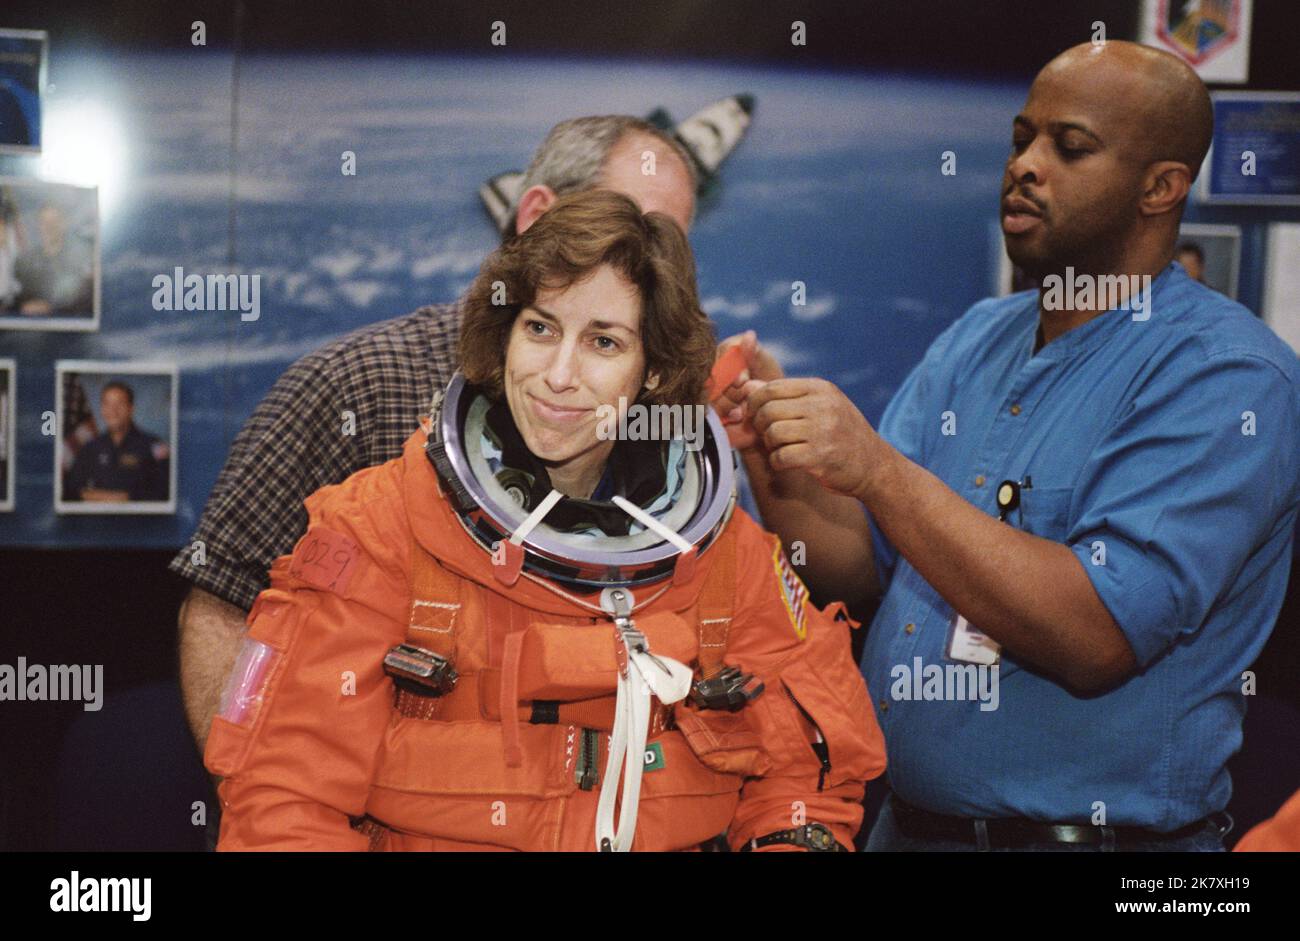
[[295, 443]]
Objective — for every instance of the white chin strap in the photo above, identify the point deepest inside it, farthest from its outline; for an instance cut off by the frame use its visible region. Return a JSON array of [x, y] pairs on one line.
[[641, 674]]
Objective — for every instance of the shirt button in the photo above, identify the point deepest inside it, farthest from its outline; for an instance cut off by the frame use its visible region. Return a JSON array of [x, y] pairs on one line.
[[979, 480], [909, 628], [1015, 409], [884, 705]]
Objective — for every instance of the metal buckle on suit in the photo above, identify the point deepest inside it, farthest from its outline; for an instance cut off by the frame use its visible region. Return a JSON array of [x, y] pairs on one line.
[[420, 671], [729, 691]]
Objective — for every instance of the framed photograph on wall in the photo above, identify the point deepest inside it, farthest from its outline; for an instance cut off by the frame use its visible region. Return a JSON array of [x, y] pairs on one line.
[[1211, 254], [8, 418], [116, 447], [23, 56], [1254, 159], [49, 255], [1282, 282]]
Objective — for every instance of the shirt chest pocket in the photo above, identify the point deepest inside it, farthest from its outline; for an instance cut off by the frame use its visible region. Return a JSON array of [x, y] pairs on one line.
[[1045, 512]]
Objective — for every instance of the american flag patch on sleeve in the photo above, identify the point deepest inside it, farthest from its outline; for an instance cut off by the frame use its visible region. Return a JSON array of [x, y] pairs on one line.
[[793, 592]]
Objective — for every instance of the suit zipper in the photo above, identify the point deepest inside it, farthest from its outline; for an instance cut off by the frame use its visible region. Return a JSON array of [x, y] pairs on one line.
[[820, 748], [586, 774]]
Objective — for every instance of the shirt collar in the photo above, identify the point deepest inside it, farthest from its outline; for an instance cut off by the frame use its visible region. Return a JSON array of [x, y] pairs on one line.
[[1098, 330]]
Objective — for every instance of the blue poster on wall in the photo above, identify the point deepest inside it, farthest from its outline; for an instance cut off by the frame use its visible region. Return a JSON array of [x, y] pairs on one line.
[[1255, 157], [817, 193], [22, 81]]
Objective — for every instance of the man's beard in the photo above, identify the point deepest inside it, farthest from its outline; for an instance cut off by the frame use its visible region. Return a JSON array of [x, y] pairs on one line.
[[1094, 246]]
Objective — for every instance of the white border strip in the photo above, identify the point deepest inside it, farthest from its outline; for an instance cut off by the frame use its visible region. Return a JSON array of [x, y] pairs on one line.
[[10, 368]]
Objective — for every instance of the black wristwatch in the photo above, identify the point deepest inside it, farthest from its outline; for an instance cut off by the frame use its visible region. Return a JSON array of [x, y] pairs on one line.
[[814, 837]]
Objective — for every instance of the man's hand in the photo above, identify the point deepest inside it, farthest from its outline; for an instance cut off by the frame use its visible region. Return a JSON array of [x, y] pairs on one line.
[[831, 530], [810, 425], [761, 366]]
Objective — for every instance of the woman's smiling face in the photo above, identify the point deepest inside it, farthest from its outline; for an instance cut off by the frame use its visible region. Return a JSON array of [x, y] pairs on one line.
[[570, 352]]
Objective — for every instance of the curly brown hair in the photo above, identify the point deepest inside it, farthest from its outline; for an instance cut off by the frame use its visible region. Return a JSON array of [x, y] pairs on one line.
[[580, 232]]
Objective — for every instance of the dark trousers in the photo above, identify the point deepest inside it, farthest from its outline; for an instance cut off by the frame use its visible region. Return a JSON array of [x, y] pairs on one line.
[[887, 836]]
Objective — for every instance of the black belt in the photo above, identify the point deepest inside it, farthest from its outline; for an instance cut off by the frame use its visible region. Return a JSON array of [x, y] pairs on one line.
[[1010, 832]]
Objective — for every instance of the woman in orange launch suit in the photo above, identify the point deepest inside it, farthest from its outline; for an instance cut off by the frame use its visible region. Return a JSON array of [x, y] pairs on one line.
[[545, 626]]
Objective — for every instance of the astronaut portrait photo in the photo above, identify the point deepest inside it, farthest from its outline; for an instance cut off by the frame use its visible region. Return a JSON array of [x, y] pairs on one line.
[[49, 256], [116, 438], [1211, 254]]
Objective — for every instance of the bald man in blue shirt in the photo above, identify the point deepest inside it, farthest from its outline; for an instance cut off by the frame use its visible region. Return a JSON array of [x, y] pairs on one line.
[[1080, 505]]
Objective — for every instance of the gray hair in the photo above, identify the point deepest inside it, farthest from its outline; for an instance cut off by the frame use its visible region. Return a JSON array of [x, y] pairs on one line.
[[573, 155]]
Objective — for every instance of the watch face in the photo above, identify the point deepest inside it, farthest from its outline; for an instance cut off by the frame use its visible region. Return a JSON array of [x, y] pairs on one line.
[[819, 837]]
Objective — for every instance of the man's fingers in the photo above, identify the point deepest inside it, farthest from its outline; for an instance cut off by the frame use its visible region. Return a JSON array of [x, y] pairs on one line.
[[762, 364], [791, 457], [779, 389], [781, 433], [731, 397], [776, 411], [734, 396], [753, 352], [748, 343], [759, 362], [735, 338]]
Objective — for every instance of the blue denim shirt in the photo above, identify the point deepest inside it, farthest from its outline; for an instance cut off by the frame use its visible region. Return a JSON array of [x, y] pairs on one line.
[[1165, 452]]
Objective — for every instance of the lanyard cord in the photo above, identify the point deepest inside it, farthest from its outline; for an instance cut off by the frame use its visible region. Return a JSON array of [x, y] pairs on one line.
[[642, 673]]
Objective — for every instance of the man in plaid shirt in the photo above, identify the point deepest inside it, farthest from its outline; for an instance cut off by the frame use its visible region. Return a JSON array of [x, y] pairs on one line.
[[385, 376]]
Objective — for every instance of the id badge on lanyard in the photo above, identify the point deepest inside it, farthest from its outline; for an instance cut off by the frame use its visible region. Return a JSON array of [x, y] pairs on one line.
[[966, 644]]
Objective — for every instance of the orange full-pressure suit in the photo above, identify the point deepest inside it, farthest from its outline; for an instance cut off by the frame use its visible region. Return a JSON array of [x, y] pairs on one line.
[[320, 751]]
